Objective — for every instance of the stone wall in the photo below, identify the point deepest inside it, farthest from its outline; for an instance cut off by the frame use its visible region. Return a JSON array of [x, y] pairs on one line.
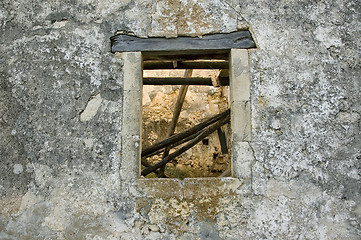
[[60, 117]]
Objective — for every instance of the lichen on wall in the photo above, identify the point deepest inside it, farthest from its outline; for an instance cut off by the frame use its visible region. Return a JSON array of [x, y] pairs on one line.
[[60, 175]]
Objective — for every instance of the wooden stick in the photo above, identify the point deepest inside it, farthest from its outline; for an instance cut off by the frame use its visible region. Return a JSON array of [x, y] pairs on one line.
[[222, 140], [177, 109], [145, 163], [179, 104], [207, 81], [184, 140], [186, 55], [150, 65], [203, 81], [223, 78], [175, 138], [210, 129]]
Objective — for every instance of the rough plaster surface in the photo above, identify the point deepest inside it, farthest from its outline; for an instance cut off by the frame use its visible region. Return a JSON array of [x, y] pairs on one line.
[[60, 176]]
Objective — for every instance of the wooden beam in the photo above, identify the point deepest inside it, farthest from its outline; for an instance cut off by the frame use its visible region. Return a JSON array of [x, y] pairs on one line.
[[184, 140], [210, 129], [221, 41], [222, 140], [224, 72], [177, 81], [207, 81], [177, 109], [186, 55], [150, 65], [223, 81], [178, 137]]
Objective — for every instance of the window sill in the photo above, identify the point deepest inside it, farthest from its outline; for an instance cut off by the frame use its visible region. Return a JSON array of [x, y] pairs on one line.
[[189, 188]]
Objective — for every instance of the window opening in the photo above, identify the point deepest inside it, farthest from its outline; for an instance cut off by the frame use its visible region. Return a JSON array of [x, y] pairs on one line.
[[226, 53], [175, 102]]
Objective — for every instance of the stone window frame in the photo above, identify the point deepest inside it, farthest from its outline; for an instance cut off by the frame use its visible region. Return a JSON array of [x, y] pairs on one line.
[[240, 97]]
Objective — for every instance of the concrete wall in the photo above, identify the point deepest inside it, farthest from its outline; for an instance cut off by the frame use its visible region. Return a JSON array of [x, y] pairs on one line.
[[61, 117]]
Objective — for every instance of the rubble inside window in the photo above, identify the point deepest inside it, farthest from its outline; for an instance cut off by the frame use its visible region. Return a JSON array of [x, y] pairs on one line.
[[193, 104]]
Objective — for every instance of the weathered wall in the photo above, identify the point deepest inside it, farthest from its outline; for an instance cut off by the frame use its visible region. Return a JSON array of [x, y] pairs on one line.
[[60, 105]]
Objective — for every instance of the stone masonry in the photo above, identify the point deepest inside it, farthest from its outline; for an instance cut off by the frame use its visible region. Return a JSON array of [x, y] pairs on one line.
[[63, 173]]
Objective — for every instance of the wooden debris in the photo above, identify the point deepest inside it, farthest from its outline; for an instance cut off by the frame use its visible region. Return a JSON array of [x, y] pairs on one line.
[[180, 136], [210, 129], [222, 140], [176, 113], [207, 81], [152, 65]]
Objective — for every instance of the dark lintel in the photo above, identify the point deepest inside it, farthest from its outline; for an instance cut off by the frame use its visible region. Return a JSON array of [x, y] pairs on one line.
[[219, 43]]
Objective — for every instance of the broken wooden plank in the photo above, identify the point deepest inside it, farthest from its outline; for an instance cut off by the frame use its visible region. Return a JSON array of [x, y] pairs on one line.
[[176, 113], [177, 81], [207, 81], [178, 137], [150, 65], [210, 129], [224, 72], [222, 140], [223, 81], [220, 41], [184, 140], [193, 55], [178, 107]]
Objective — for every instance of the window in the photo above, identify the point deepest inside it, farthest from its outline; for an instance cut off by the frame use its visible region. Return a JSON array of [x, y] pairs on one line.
[[198, 52], [186, 107]]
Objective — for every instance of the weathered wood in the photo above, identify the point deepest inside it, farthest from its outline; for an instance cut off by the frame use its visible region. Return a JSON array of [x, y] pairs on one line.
[[223, 81], [221, 41], [177, 109], [145, 163], [178, 137], [177, 81], [186, 55], [222, 140], [224, 72], [184, 140], [223, 78], [150, 65], [210, 129], [207, 81]]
